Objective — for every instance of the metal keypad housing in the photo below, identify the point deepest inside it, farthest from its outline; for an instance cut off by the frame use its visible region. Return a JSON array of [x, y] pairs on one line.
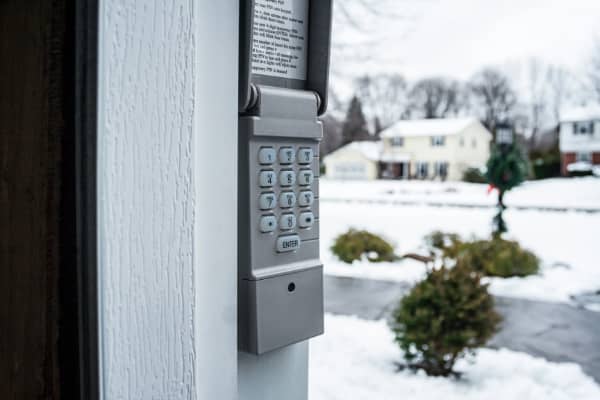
[[281, 275]]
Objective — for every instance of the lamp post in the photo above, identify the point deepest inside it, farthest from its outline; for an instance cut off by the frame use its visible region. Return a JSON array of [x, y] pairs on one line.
[[505, 138], [506, 169], [504, 135]]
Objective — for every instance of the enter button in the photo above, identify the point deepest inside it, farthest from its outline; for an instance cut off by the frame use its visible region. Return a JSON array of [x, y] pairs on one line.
[[288, 243]]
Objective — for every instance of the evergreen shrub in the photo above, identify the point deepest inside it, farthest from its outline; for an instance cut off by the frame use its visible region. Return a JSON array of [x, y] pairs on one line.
[[474, 175], [498, 257], [495, 257], [444, 317], [355, 244]]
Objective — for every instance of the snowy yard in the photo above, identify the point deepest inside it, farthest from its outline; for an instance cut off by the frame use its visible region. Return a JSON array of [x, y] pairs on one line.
[[566, 241], [355, 360], [576, 193]]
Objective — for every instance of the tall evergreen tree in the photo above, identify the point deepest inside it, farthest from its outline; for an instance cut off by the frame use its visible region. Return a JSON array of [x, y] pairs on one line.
[[355, 126], [506, 169], [378, 128]]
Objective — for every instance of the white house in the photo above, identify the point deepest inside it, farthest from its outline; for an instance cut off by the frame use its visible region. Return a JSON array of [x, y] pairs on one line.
[[434, 148], [356, 161], [580, 138]]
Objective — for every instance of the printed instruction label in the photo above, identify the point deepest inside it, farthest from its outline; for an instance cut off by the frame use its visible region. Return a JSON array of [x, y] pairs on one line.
[[280, 38]]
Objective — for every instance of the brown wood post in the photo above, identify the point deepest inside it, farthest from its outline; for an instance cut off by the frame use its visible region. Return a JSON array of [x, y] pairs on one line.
[[40, 236]]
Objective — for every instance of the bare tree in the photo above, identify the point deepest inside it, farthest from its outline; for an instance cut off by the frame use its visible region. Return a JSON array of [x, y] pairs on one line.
[[594, 69], [494, 95], [558, 90], [360, 36], [538, 99], [435, 98], [383, 97]]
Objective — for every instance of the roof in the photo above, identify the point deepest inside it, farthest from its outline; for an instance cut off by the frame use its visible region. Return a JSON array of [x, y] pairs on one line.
[[582, 113], [429, 127], [370, 150]]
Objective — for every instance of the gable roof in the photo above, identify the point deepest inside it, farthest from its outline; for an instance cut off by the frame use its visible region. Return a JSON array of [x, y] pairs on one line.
[[370, 150], [583, 113], [429, 127]]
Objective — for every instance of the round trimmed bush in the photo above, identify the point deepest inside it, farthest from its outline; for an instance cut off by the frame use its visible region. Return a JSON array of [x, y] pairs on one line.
[[499, 257], [496, 257], [354, 244], [474, 175], [445, 317]]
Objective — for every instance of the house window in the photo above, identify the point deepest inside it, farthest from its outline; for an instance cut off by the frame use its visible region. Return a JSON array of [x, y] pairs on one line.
[[397, 141], [583, 157], [437, 141], [462, 142], [422, 170], [441, 169], [474, 143], [583, 128]]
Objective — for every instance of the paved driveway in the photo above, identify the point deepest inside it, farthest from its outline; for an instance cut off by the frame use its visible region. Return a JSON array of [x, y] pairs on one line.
[[556, 332]]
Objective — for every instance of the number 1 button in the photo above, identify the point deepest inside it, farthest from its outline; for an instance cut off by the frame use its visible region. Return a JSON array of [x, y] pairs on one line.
[[266, 155]]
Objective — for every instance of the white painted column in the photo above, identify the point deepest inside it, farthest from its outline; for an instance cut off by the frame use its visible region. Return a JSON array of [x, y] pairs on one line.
[[167, 223], [167, 134], [280, 374], [215, 178]]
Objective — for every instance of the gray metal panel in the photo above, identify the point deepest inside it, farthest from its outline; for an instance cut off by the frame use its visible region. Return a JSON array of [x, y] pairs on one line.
[[281, 316], [245, 44], [319, 48], [270, 317]]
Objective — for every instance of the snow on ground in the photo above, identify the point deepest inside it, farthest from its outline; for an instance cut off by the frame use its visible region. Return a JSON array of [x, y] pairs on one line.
[[567, 242], [355, 359], [575, 193]]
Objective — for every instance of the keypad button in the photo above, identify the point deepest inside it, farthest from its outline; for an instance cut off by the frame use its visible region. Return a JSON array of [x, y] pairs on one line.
[[305, 177], [286, 155], [287, 222], [267, 201], [268, 223], [287, 178], [305, 156], [288, 243], [267, 178], [266, 155], [306, 220], [306, 198], [287, 200]]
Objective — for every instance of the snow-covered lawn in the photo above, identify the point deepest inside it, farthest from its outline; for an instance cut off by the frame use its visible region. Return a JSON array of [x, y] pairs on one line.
[[577, 193], [355, 359], [567, 242]]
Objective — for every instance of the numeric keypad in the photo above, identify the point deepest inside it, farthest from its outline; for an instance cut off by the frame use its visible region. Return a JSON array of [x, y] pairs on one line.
[[287, 177]]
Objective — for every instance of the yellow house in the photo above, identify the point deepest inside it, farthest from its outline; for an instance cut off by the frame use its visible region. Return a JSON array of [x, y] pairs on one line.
[[434, 148], [354, 161]]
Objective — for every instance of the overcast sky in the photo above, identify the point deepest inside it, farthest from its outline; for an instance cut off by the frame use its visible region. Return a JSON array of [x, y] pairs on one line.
[[457, 37]]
